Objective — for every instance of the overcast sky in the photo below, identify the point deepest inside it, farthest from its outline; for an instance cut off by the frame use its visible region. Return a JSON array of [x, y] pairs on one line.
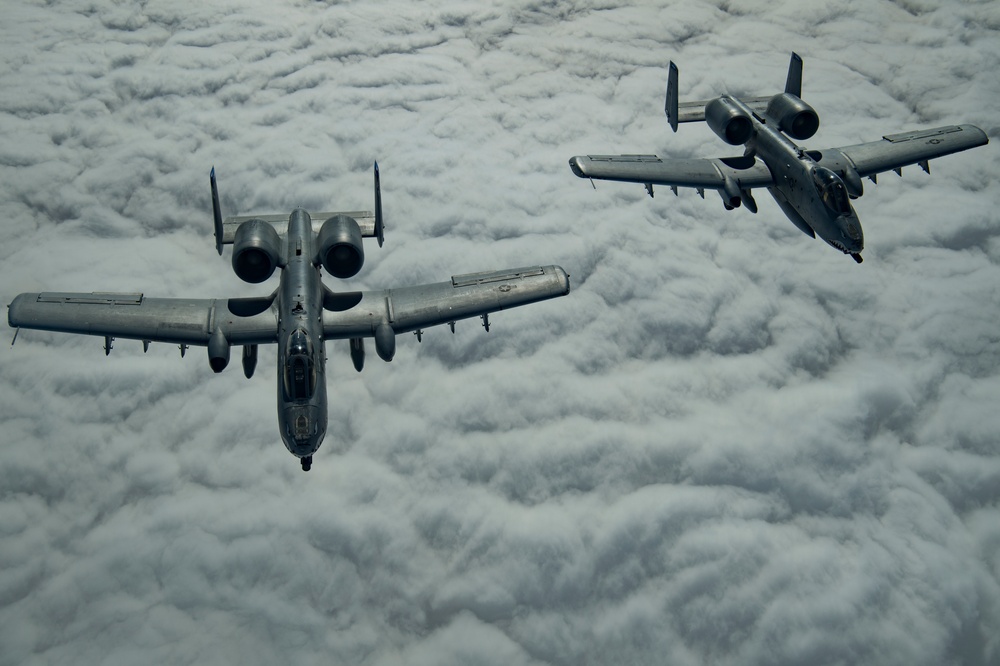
[[728, 445]]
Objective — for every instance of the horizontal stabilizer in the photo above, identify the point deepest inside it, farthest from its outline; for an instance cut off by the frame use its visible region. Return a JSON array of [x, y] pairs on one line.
[[365, 218]]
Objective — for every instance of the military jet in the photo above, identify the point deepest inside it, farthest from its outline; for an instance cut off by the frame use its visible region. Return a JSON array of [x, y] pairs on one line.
[[300, 315], [812, 187]]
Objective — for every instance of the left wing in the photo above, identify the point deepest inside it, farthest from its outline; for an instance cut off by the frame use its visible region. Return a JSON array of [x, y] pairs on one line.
[[723, 174], [358, 314], [244, 321], [895, 151]]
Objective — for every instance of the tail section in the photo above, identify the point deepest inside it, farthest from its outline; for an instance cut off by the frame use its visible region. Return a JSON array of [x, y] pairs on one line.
[[671, 105], [379, 227], [686, 112], [216, 213], [793, 84]]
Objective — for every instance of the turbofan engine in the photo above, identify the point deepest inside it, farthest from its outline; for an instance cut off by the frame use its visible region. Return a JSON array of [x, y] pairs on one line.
[[256, 251], [794, 117], [340, 247], [731, 123]]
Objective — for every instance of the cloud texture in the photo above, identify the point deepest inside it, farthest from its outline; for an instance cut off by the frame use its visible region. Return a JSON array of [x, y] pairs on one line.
[[728, 445]]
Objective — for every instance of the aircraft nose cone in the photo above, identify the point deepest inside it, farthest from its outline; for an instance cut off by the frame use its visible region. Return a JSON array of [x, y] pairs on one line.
[[853, 231]]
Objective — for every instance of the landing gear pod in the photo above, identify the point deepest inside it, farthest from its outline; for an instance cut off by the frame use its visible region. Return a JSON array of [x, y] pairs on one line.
[[218, 351], [385, 342]]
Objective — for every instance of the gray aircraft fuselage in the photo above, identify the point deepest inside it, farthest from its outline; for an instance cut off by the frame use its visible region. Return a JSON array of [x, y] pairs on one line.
[[813, 197], [814, 188], [302, 409], [300, 316]]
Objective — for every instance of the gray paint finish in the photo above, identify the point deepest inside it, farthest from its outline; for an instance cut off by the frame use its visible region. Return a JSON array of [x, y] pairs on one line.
[[811, 187], [299, 317]]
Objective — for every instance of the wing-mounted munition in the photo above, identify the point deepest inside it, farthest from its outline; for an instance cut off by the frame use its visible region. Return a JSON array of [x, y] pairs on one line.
[[300, 315], [812, 187]]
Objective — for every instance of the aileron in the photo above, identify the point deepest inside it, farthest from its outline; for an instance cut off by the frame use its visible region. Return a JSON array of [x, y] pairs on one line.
[[93, 298]]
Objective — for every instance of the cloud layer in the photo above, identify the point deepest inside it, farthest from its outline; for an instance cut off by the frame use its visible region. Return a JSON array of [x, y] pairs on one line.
[[728, 445]]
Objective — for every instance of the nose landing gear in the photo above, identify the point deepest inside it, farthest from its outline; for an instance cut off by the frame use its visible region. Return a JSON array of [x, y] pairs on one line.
[[307, 463]]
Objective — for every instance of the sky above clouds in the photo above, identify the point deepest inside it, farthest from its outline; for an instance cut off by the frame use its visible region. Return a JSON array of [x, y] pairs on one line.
[[729, 444]]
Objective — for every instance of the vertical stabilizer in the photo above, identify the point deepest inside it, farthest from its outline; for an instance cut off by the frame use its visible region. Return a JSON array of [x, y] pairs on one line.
[[793, 84], [671, 106], [216, 213], [379, 228]]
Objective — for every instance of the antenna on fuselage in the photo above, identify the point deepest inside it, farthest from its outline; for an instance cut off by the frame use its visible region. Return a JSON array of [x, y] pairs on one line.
[[379, 228], [217, 213]]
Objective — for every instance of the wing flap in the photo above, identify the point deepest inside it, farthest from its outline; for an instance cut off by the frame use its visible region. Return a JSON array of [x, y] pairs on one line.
[[746, 173], [905, 148], [133, 316], [464, 296]]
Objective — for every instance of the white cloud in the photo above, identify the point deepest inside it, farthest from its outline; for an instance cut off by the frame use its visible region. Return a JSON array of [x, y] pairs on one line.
[[729, 444]]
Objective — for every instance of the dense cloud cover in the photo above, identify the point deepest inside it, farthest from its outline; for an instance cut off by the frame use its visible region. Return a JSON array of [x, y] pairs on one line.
[[728, 445]]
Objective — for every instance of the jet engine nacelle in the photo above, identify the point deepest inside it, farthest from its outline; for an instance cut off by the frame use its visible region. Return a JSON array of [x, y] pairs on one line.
[[256, 251], [730, 122], [794, 117], [340, 246], [218, 351]]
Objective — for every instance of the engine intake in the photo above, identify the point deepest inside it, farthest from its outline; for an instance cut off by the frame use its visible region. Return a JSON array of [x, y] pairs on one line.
[[794, 117], [731, 123], [340, 246], [256, 251]]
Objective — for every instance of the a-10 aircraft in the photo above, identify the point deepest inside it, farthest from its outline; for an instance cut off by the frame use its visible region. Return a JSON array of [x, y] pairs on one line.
[[812, 187], [300, 315]]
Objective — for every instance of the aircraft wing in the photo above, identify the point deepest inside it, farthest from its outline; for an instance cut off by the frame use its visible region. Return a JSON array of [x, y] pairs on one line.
[[702, 174], [898, 150], [357, 314], [185, 321]]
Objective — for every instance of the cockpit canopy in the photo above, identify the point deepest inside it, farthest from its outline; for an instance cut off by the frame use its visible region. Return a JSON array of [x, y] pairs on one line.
[[831, 190], [300, 371]]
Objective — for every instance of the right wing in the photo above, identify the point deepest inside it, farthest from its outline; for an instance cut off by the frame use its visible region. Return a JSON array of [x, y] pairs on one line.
[[185, 321], [895, 151], [703, 174], [357, 314]]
